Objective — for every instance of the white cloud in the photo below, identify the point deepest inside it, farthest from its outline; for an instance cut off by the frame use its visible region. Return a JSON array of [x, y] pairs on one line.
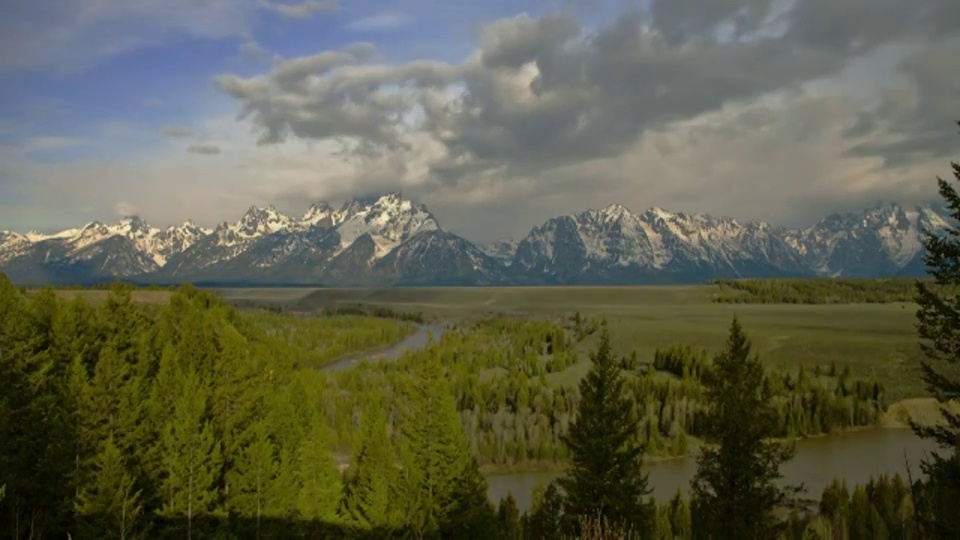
[[303, 10], [75, 35], [380, 21]]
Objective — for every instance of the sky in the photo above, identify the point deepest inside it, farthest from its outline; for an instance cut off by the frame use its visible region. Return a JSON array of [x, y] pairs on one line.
[[497, 115]]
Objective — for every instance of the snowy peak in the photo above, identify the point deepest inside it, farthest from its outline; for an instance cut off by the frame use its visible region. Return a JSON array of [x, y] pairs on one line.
[[385, 239], [318, 214], [260, 221], [388, 219]]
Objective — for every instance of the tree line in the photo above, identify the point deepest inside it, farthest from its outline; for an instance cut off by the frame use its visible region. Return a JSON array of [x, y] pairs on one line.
[[815, 291]]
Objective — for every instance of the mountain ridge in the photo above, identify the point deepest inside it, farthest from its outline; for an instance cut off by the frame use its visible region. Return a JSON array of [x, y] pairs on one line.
[[389, 240]]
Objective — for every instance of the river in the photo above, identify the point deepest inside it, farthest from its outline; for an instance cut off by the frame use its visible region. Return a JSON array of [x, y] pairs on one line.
[[413, 342], [854, 456]]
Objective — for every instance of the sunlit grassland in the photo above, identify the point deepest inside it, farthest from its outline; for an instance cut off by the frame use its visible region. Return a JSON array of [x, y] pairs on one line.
[[876, 341]]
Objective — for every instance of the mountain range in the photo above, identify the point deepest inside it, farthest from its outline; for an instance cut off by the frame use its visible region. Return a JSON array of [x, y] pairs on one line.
[[389, 240]]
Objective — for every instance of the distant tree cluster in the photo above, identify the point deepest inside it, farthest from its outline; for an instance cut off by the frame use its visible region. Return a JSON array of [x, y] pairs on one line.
[[323, 340], [373, 311], [814, 291]]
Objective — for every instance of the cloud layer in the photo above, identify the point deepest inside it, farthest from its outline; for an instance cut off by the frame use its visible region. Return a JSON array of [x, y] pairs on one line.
[[769, 109]]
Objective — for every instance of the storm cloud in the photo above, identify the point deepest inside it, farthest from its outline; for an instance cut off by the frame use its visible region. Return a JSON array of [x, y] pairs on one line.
[[544, 93]]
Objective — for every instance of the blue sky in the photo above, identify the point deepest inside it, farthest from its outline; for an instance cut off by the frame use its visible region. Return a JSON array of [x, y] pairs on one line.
[[110, 106]]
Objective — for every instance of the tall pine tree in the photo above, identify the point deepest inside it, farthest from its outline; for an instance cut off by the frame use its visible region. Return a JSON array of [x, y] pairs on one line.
[[108, 505], [254, 479], [191, 459], [938, 322], [605, 452], [371, 499], [444, 492], [734, 487]]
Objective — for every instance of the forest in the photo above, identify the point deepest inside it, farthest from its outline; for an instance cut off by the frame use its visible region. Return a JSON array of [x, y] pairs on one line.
[[815, 291], [142, 420]]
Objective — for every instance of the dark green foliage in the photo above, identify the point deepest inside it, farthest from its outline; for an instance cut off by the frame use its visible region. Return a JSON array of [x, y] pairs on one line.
[[734, 487], [604, 476], [108, 505], [938, 322], [815, 291], [542, 521], [508, 519], [883, 508]]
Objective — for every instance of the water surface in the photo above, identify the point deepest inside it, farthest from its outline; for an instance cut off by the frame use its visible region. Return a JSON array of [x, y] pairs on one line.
[[414, 342], [854, 456]]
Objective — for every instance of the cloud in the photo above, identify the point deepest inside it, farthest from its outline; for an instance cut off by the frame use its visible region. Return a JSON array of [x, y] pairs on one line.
[[40, 144], [177, 132], [253, 52], [73, 36], [204, 149], [124, 209], [756, 109], [380, 21], [303, 10]]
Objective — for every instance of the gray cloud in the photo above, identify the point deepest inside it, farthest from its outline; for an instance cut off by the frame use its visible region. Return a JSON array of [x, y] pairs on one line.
[[177, 132], [916, 120], [204, 149], [303, 10], [544, 94]]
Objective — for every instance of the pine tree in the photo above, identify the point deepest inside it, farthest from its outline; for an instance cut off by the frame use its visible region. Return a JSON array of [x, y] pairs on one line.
[[439, 478], [370, 499], [542, 521], [938, 322], [191, 455], [605, 476], [319, 488], [508, 519], [734, 486], [254, 478], [108, 504]]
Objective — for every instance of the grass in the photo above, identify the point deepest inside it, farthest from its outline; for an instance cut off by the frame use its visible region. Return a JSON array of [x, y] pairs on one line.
[[874, 340], [97, 297]]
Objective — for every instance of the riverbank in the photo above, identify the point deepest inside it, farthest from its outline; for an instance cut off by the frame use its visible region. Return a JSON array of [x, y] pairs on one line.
[[896, 417], [854, 456]]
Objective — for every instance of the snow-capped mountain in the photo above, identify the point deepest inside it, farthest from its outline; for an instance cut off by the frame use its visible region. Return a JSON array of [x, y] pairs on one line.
[[129, 248], [613, 245], [387, 239], [501, 250]]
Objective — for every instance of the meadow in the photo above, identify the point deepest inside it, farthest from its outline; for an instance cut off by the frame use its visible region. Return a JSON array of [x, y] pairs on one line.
[[876, 341]]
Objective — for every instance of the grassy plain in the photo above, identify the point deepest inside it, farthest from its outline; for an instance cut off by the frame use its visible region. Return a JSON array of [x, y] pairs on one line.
[[97, 297], [878, 341]]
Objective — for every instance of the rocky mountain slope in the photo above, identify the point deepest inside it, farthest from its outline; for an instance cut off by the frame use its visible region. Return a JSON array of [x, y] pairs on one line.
[[388, 240]]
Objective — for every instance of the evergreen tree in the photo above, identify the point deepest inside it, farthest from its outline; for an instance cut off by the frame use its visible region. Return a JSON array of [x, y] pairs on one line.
[[542, 521], [370, 499], [604, 475], [254, 477], [191, 455], [508, 519], [37, 441], [108, 505], [735, 485], [440, 478], [319, 488], [938, 322]]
